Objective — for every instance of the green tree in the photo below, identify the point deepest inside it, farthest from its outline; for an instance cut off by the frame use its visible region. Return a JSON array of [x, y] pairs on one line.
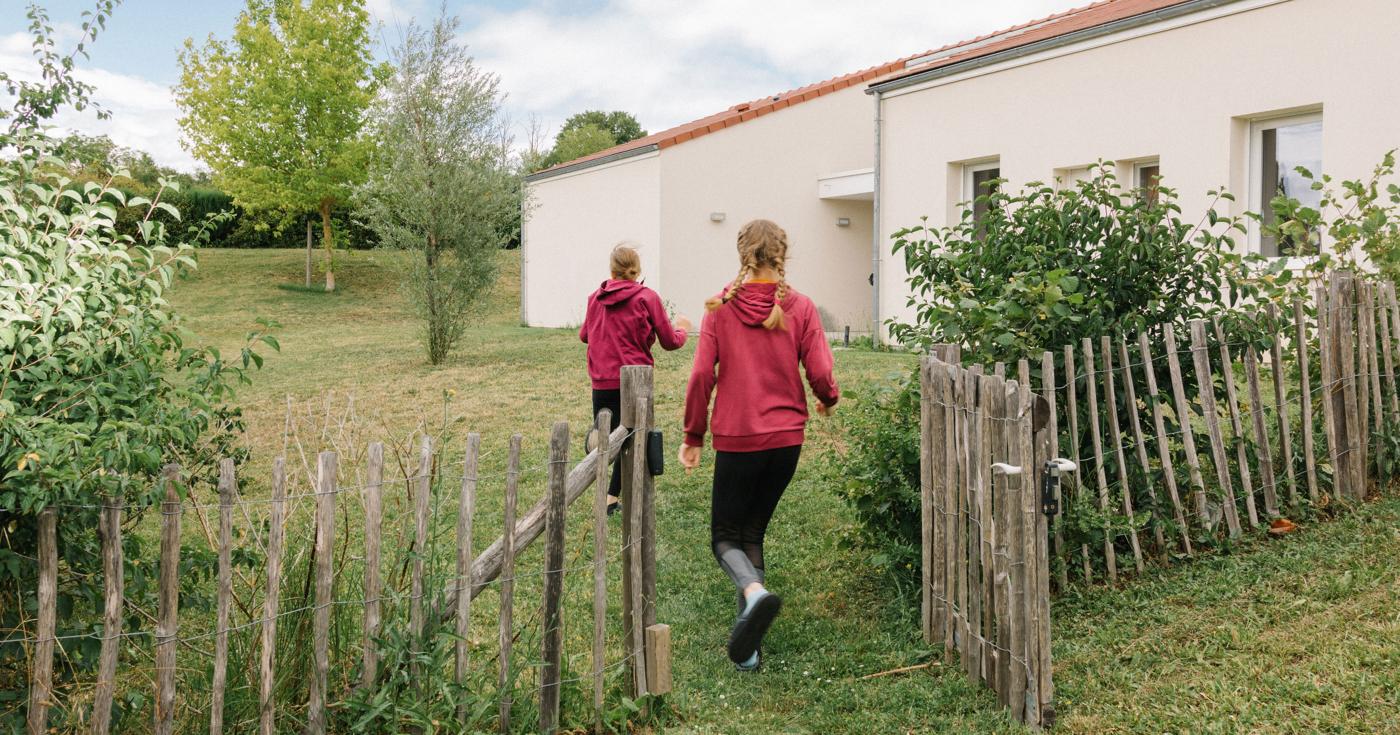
[[579, 142], [277, 110], [588, 132], [620, 126], [440, 182]]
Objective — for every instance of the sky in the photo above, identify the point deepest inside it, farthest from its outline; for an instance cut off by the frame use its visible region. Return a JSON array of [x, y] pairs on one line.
[[665, 61]]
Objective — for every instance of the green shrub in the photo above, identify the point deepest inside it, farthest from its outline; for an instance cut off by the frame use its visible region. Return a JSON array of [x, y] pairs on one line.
[[877, 473], [1045, 268], [98, 388]]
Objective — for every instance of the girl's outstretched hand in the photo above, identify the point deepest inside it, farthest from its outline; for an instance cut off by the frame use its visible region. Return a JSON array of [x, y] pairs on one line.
[[824, 409], [689, 457], [682, 322]]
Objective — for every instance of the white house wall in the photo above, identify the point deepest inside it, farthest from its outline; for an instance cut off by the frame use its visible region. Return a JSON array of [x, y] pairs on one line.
[[768, 167], [573, 222], [1185, 95]]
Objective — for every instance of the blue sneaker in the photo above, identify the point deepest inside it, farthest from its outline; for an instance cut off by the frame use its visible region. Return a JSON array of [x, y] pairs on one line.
[[751, 664], [747, 634]]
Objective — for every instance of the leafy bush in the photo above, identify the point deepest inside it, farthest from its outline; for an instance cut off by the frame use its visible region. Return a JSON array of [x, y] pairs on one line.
[[1047, 266], [878, 475], [1044, 268], [98, 389]]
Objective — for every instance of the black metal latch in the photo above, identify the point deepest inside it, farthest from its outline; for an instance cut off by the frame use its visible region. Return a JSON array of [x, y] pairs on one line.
[[656, 453]]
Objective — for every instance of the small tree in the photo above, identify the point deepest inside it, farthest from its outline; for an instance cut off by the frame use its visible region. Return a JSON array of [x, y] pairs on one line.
[[277, 111], [440, 184], [620, 126]]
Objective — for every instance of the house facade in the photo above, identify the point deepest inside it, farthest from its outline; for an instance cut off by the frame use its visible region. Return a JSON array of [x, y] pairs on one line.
[[1205, 94]]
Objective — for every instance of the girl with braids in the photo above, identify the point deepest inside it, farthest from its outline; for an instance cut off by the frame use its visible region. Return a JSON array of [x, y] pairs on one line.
[[760, 333], [623, 320]]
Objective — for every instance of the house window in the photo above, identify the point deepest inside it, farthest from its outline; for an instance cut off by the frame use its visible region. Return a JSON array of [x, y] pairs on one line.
[[1067, 179], [1146, 175], [979, 182], [1279, 147]]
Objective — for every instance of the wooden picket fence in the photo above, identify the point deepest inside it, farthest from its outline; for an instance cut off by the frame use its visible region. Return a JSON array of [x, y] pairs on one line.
[[990, 555], [985, 563], [645, 655]]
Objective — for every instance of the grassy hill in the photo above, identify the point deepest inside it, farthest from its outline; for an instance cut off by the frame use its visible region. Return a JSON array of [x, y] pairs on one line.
[[1301, 635]]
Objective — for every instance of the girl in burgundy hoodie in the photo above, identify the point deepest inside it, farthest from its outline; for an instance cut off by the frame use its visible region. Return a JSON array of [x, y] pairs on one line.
[[623, 320], [760, 334]]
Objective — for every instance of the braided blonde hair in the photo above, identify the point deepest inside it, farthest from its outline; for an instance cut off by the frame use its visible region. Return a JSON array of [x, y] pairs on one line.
[[762, 244]]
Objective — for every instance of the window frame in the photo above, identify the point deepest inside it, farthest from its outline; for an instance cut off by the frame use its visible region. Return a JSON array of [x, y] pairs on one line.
[[1137, 167], [970, 169], [1254, 183]]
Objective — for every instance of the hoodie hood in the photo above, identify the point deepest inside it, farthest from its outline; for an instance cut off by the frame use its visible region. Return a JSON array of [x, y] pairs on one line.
[[615, 292], [754, 302]]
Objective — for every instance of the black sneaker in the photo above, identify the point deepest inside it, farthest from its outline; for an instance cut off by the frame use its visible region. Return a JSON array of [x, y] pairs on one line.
[[752, 625], [755, 661], [614, 506]]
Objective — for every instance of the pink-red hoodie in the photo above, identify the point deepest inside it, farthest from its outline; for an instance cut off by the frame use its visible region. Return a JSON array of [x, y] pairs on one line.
[[623, 320], [759, 399]]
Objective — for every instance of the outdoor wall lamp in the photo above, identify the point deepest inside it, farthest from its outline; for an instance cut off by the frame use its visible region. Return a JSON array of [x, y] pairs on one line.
[[843, 221], [716, 216]]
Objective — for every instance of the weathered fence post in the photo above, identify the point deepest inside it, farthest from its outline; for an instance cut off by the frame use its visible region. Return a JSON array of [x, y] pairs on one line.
[[600, 561], [927, 614], [1305, 397], [552, 646], [110, 529], [659, 661], [1047, 385], [1164, 447], [466, 513], [642, 409], [638, 519], [321, 616], [998, 405], [1261, 434], [507, 578], [1232, 403], [1205, 385], [1115, 435], [41, 673], [1072, 403], [1140, 445], [422, 489], [1096, 435], [374, 521], [1285, 428], [226, 489], [275, 523], [167, 626], [1030, 530], [977, 652], [1183, 418]]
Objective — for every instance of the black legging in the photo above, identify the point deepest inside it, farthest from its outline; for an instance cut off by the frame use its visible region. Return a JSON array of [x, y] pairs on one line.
[[748, 486], [611, 399]]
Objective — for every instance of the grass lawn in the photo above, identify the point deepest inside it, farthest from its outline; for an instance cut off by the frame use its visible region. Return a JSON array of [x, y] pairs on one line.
[[1301, 635]]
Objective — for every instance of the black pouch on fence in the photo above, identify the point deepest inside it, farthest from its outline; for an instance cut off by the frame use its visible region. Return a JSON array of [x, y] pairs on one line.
[[656, 453]]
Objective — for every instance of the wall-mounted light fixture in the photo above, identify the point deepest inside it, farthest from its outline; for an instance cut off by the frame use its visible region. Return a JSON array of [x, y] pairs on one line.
[[716, 216], [843, 221]]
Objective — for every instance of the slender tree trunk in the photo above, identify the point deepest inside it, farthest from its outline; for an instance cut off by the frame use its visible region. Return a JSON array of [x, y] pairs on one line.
[[436, 351], [308, 252], [327, 242]]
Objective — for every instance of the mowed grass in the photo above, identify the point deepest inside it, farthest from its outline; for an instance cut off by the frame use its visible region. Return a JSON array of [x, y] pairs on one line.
[[1301, 635]]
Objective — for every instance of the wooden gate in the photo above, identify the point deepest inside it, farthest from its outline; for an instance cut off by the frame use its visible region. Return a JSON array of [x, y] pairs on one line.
[[986, 585]]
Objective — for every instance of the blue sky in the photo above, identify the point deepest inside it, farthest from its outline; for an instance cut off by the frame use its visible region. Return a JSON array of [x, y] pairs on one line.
[[666, 61]]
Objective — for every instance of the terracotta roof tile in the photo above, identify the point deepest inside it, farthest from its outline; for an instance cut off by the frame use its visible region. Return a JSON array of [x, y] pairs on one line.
[[1059, 24]]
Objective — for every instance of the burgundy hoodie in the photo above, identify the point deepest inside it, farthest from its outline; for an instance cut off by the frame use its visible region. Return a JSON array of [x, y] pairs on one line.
[[623, 319], [760, 403]]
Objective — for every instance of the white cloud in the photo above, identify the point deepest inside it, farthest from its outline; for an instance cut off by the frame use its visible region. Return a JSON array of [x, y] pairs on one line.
[[144, 114], [670, 61]]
